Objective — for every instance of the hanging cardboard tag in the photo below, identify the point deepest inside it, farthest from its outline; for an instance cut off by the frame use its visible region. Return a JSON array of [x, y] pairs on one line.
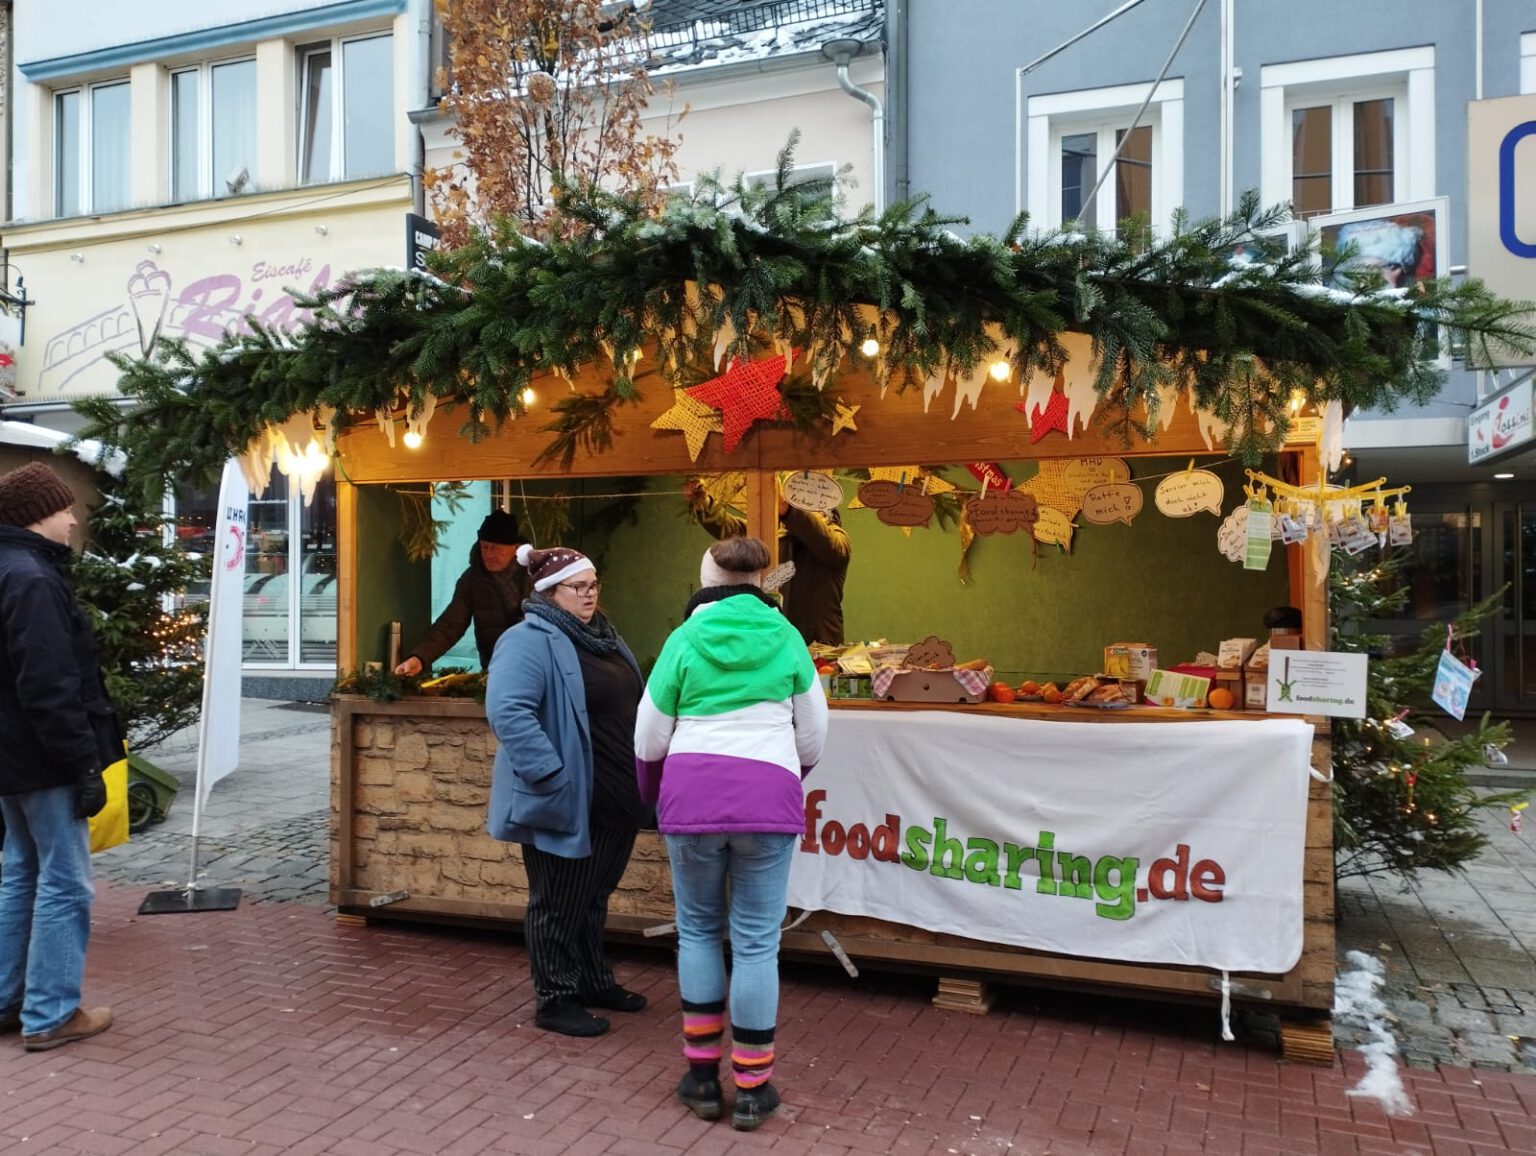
[[1400, 530], [1453, 685]]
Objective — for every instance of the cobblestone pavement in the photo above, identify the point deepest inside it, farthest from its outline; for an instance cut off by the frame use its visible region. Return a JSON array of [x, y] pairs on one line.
[[266, 826], [1460, 955], [1459, 950]]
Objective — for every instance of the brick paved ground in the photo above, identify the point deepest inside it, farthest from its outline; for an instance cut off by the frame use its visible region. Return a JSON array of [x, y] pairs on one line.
[[272, 1029]]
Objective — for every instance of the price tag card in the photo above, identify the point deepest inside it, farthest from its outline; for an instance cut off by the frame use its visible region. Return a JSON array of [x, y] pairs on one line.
[[1400, 531], [1292, 530]]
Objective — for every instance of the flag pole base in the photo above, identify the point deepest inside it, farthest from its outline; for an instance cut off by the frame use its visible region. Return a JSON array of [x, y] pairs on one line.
[[190, 899]]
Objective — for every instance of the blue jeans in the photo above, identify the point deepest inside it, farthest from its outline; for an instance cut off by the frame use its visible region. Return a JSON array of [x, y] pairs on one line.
[[757, 868], [45, 907]]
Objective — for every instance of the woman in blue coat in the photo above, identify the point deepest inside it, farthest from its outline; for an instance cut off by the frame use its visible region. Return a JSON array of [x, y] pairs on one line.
[[561, 698]]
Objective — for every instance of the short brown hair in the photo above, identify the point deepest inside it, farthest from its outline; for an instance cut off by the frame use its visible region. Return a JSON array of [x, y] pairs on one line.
[[741, 555]]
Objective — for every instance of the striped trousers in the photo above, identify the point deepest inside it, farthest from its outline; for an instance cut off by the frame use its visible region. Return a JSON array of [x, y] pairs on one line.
[[567, 907]]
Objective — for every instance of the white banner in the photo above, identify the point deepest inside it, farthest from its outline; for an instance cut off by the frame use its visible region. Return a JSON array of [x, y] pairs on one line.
[[1172, 843], [219, 731]]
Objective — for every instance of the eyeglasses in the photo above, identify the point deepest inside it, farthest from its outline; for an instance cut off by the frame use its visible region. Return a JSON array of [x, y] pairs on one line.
[[582, 589]]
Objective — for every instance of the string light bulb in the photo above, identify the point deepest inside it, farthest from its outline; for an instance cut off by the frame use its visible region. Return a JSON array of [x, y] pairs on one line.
[[999, 370], [412, 440], [529, 397], [870, 347]]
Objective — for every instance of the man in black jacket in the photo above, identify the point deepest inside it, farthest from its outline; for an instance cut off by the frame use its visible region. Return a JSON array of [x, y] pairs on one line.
[[58, 732], [490, 591]]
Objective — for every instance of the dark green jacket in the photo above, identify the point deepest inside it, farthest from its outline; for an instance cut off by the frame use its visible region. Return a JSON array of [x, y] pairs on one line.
[[493, 601], [813, 599]]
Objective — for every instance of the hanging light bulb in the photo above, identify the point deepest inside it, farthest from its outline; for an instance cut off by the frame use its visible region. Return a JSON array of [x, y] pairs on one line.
[[529, 397], [999, 370], [870, 347], [1298, 399], [412, 440]]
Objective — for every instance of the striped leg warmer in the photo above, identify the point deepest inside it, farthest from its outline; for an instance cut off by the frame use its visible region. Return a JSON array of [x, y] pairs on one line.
[[703, 1028], [751, 1056]]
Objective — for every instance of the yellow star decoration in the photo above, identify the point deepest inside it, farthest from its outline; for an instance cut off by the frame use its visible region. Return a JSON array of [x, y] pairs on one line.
[[844, 418], [695, 419]]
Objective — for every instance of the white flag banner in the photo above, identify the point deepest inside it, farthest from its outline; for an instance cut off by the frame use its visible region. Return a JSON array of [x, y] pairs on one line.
[[1177, 842], [219, 732]]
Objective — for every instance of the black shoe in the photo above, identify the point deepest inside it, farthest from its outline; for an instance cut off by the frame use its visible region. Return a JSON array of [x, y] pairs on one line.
[[753, 1106], [616, 998], [701, 1096], [570, 1020]]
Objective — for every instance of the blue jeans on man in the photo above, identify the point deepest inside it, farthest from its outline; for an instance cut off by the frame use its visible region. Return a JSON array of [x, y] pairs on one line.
[[45, 908]]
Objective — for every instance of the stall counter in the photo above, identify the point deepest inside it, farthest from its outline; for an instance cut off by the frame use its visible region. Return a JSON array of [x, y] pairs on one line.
[[411, 778]]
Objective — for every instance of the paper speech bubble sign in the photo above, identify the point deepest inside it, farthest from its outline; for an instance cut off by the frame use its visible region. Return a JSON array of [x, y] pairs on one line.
[[896, 504], [1003, 513], [1181, 495], [815, 492], [1232, 536], [1054, 528], [1112, 502]]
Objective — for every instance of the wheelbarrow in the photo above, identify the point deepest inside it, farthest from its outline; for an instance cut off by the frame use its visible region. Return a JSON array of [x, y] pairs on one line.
[[150, 793]]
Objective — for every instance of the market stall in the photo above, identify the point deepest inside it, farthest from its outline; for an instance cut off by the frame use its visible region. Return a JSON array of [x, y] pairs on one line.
[[1045, 438], [412, 776]]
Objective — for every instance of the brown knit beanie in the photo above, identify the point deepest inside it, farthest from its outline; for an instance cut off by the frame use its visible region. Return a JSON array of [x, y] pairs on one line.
[[32, 493]]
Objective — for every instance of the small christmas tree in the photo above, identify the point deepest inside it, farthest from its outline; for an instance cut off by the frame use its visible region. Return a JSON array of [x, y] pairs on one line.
[[133, 578], [1402, 803]]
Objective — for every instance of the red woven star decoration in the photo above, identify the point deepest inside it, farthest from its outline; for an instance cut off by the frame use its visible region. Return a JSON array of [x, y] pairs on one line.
[[747, 392], [1043, 421]]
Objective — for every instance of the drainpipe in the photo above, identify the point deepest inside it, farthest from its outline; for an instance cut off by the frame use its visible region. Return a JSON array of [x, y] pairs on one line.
[[420, 82], [898, 182], [842, 52]]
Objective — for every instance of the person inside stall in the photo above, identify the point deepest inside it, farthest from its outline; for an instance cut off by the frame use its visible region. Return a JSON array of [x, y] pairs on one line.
[[490, 593], [819, 547]]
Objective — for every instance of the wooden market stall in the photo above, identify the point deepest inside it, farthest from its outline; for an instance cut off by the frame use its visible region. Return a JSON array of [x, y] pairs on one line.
[[411, 777]]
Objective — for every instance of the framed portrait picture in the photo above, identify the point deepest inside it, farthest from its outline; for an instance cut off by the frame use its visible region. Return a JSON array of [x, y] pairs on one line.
[[1404, 243], [1288, 236]]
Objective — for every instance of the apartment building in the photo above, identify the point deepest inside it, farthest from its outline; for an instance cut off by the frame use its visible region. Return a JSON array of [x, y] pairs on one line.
[[1355, 113], [178, 168]]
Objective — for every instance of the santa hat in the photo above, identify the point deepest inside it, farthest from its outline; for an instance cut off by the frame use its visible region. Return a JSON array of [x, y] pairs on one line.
[[553, 566], [32, 493]]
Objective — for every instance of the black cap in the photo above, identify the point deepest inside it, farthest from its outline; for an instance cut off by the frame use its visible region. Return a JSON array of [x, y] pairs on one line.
[[501, 528], [1282, 618]]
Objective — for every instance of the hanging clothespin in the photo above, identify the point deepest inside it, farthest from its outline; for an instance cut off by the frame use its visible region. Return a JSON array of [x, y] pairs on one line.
[[926, 479], [1189, 469], [985, 481], [902, 484]]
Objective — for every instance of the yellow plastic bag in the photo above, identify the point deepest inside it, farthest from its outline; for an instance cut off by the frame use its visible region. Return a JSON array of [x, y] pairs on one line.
[[109, 828]]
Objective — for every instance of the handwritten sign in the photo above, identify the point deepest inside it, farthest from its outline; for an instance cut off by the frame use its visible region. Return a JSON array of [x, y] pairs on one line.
[[1232, 535], [1003, 513], [897, 504], [1054, 528], [1112, 502], [815, 492], [1183, 495]]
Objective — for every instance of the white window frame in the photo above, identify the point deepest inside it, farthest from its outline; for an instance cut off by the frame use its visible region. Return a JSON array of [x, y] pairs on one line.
[[207, 180], [87, 125], [1058, 115], [1407, 75], [816, 171], [1527, 62], [337, 169]]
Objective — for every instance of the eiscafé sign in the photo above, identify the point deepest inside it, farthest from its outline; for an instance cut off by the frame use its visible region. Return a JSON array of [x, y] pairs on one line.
[[1500, 425]]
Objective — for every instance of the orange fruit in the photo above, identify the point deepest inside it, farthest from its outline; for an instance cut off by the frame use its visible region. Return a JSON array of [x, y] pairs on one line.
[[1221, 699], [1029, 686], [1052, 695], [1001, 692]]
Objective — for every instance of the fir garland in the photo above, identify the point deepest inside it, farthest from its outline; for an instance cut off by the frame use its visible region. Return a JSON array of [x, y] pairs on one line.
[[777, 263]]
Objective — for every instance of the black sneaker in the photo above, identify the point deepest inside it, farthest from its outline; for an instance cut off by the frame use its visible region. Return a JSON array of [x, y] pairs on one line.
[[753, 1106], [702, 1097], [569, 1019], [615, 998]]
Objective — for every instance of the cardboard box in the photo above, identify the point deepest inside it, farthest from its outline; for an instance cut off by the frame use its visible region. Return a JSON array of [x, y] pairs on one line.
[[929, 686], [1130, 660], [1256, 690], [1285, 642], [1234, 652]]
